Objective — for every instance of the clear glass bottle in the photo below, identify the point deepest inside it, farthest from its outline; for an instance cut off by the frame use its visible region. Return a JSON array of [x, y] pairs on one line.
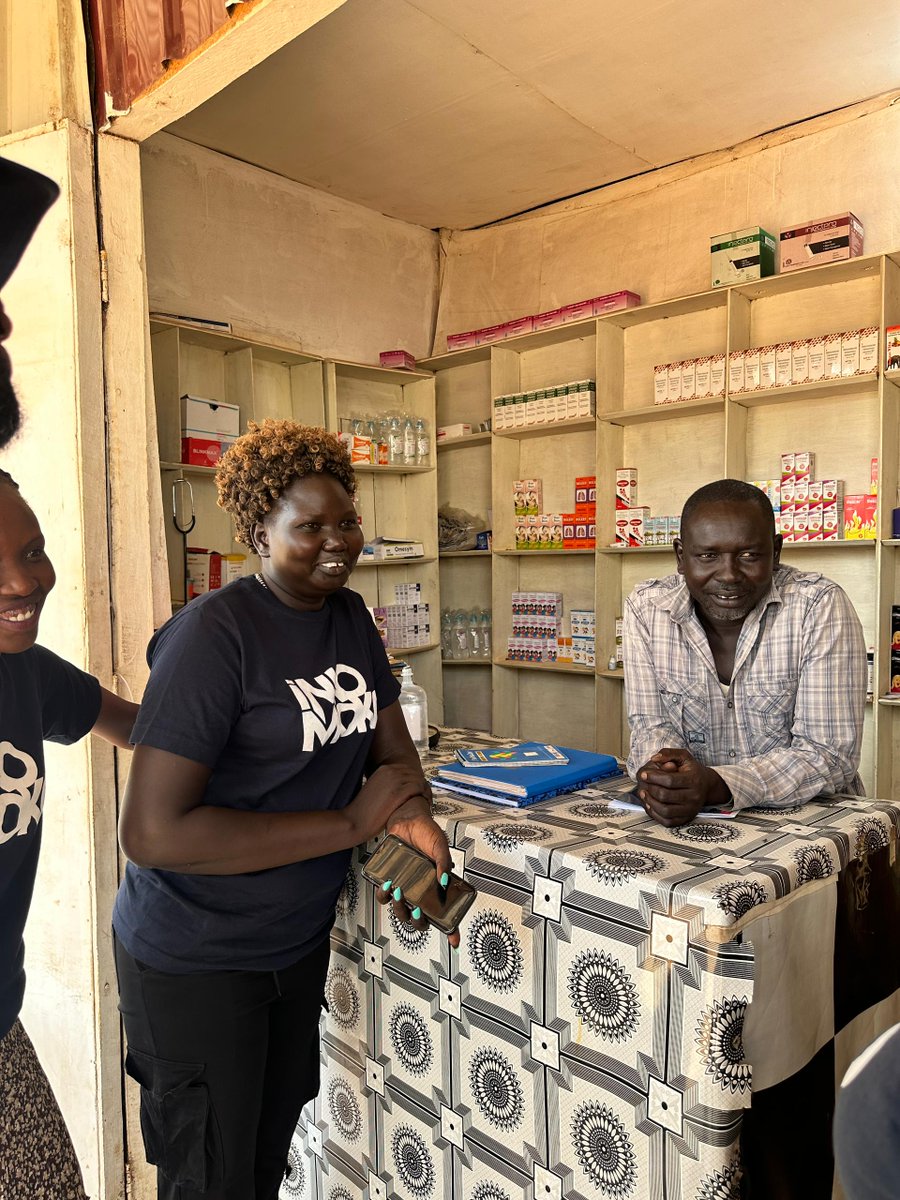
[[371, 432], [409, 442], [474, 634], [414, 705], [446, 634], [395, 440], [460, 635], [423, 443], [487, 638]]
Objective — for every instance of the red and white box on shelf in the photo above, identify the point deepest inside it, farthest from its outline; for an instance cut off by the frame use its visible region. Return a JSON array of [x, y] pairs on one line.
[[673, 386], [868, 350], [800, 362], [735, 372], [549, 320], [860, 517], [717, 375], [767, 366], [661, 383], [702, 377], [359, 448], [784, 364], [833, 355], [398, 359], [689, 379], [204, 571], [630, 525], [751, 369], [786, 522], [816, 359], [626, 487], [203, 452], [519, 326], [833, 239]]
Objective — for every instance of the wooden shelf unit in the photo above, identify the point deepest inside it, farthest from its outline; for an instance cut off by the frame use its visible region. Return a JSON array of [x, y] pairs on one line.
[[675, 449], [269, 380]]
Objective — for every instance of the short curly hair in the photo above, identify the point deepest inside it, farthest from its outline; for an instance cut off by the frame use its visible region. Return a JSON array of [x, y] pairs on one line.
[[266, 460]]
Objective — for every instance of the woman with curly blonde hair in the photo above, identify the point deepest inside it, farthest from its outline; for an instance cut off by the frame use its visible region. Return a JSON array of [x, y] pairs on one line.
[[270, 742]]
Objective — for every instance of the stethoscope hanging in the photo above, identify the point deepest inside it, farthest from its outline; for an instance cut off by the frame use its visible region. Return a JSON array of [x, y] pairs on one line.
[[184, 523]]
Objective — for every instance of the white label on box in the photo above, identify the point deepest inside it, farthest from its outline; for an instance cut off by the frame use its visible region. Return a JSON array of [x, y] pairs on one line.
[[783, 365], [850, 352], [689, 379], [702, 378], [660, 384], [751, 369], [868, 350], [832, 356], [767, 367], [736, 371], [673, 390], [800, 362], [717, 375], [816, 363]]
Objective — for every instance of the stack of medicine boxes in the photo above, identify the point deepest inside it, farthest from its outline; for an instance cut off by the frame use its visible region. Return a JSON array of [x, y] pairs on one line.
[[208, 427]]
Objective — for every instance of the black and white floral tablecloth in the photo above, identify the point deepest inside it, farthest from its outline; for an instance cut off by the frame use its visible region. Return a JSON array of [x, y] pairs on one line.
[[591, 1036]]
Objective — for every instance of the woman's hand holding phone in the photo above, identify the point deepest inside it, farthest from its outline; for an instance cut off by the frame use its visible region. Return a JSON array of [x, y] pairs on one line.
[[413, 824]]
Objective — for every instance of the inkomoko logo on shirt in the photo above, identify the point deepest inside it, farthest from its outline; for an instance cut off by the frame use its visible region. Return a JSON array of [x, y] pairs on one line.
[[334, 704], [20, 794]]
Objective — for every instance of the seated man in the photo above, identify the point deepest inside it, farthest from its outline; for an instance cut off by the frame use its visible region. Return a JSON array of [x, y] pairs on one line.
[[745, 680]]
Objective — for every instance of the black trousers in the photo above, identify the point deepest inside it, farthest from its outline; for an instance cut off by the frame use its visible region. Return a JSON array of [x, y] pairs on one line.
[[225, 1061]]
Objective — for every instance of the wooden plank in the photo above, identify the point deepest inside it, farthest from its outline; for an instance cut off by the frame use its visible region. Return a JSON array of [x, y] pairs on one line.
[[252, 33], [43, 64]]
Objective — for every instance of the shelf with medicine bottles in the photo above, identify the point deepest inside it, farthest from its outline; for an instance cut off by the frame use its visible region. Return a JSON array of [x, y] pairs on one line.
[[397, 499], [261, 379], [462, 386]]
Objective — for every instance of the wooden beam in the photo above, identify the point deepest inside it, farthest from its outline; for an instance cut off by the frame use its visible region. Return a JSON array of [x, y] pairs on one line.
[[43, 64], [255, 31]]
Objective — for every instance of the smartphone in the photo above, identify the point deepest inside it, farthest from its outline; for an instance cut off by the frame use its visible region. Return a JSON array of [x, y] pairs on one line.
[[414, 874]]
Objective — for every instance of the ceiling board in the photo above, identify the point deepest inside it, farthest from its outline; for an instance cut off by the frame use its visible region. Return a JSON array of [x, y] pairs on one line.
[[460, 112]]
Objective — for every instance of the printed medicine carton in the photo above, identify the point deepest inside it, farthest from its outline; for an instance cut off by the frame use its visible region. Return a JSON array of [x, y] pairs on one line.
[[741, 256], [767, 366], [717, 375], [751, 369], [661, 384], [833, 239]]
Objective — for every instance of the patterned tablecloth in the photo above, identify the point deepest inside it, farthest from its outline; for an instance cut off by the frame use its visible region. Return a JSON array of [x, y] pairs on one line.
[[619, 990]]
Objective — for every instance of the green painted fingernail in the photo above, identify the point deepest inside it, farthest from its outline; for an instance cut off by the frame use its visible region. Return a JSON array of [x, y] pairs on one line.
[[416, 913], [445, 879], [397, 894], [386, 886]]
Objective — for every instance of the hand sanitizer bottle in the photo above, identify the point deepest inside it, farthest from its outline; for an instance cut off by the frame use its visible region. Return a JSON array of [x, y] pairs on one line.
[[414, 703]]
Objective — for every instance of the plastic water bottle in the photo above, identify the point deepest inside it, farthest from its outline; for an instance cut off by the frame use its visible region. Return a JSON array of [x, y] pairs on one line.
[[446, 634], [460, 635], [409, 442], [486, 634], [423, 443], [414, 703], [474, 635], [395, 440]]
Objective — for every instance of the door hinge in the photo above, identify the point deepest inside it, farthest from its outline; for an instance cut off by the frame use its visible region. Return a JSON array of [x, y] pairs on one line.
[[104, 278]]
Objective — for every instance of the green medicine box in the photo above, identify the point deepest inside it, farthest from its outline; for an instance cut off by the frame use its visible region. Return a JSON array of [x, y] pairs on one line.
[[741, 256]]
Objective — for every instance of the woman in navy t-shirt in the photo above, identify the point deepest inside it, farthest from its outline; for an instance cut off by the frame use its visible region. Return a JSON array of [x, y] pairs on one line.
[[270, 743], [42, 698]]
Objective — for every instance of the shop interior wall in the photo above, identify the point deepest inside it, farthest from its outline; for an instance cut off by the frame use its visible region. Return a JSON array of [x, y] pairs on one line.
[[229, 241], [651, 234]]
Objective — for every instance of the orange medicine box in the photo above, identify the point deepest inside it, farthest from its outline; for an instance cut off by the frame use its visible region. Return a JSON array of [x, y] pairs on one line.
[[859, 517]]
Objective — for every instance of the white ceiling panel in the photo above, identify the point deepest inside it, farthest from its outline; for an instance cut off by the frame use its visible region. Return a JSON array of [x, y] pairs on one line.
[[460, 112]]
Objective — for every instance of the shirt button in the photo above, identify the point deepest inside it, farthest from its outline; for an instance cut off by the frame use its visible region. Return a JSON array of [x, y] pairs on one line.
[[730, 704], [731, 754]]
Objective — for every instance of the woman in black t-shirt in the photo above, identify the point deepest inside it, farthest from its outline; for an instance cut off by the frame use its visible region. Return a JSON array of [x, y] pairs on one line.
[[271, 742], [42, 698]]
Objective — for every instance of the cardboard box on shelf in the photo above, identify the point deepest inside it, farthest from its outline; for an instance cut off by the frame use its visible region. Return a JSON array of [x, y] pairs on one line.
[[626, 487], [519, 326], [202, 417], [202, 452], [401, 359], [741, 256], [892, 348], [816, 365], [446, 433], [859, 517], [204, 570], [832, 239]]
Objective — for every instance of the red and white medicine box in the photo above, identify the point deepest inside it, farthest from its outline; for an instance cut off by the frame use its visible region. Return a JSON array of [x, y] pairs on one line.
[[204, 571], [626, 487], [359, 448], [519, 326], [833, 239], [401, 359], [202, 452], [630, 525], [549, 320], [859, 517], [201, 417], [613, 302]]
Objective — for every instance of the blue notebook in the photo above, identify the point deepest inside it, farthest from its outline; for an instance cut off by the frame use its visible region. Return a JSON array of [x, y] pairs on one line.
[[530, 783]]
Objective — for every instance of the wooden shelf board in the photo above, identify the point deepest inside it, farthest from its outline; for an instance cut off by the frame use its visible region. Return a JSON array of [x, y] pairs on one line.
[[230, 340], [549, 428], [375, 374], [809, 277], [539, 553], [889, 701], [607, 674], [405, 651], [821, 389], [370, 564], [664, 412], [466, 662], [559, 668], [187, 468], [890, 541], [840, 544], [464, 554], [390, 469], [470, 439], [669, 549]]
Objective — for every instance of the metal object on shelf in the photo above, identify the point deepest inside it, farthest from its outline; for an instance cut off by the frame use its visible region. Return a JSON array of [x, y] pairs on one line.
[[184, 521]]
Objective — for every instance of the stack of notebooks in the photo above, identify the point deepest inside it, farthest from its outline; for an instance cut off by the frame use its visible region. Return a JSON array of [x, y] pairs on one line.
[[524, 774]]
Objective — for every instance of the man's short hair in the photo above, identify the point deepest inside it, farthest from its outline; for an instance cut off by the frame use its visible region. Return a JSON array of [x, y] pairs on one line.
[[727, 491]]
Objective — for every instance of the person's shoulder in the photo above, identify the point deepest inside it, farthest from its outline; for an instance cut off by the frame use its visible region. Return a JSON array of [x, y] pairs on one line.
[[348, 602], [659, 592], [806, 586], [220, 609]]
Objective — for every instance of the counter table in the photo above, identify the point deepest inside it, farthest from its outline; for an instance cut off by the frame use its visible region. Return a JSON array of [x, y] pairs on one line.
[[634, 1012]]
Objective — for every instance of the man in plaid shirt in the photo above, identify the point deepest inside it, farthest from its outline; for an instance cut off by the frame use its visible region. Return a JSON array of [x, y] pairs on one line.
[[745, 680]]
